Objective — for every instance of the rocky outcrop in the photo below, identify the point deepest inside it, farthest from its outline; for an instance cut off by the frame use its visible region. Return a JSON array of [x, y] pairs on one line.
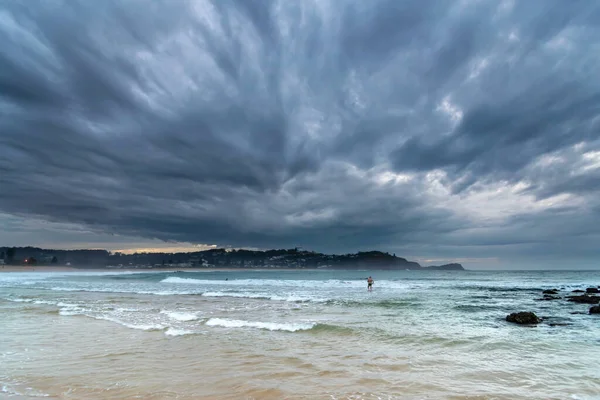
[[595, 310], [592, 290], [524, 317], [578, 291], [446, 267], [550, 291], [584, 299]]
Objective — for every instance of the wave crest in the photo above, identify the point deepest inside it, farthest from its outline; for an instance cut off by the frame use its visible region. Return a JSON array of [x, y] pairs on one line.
[[271, 326]]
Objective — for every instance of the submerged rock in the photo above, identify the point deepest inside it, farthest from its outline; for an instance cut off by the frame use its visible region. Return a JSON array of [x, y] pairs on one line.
[[556, 321], [578, 291], [592, 290], [585, 299], [549, 297], [595, 310], [550, 291], [524, 317]]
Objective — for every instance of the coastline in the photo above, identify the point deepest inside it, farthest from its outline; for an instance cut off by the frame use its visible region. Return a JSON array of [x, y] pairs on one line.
[[41, 268]]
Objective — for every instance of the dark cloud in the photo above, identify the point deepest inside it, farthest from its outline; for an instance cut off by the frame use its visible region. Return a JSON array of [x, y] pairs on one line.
[[428, 129]]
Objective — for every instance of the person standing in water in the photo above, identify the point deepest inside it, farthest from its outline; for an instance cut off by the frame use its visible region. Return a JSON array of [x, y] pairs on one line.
[[370, 284]]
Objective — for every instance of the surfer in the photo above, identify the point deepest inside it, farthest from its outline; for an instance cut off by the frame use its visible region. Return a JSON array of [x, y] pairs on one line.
[[370, 284]]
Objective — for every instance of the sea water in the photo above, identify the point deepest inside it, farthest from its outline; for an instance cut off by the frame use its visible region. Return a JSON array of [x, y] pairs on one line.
[[296, 334]]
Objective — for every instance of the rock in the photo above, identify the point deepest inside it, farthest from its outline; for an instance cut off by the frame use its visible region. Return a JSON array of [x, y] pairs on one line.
[[585, 299], [592, 290], [523, 318], [578, 291], [548, 297], [595, 310], [556, 321], [550, 291], [578, 312]]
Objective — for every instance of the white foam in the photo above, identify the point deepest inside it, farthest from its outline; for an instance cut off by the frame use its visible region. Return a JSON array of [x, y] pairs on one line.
[[71, 311], [265, 296], [309, 284], [180, 316], [105, 290], [61, 304], [142, 327], [17, 300], [51, 303], [271, 326], [177, 332], [333, 283], [11, 392], [238, 294]]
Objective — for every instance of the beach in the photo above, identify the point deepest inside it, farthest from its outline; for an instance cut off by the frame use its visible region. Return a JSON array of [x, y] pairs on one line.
[[294, 334]]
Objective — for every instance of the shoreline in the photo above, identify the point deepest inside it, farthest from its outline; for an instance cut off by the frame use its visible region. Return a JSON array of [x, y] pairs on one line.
[[12, 268]]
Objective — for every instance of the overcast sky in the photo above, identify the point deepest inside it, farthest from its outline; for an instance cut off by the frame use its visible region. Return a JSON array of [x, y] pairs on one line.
[[438, 130]]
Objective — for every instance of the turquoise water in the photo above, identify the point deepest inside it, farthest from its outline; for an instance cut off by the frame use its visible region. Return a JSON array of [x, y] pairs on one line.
[[444, 327]]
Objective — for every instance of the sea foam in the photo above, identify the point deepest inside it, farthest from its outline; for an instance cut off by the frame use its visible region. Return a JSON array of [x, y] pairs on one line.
[[331, 283], [180, 316], [263, 296], [271, 326], [177, 332], [295, 283]]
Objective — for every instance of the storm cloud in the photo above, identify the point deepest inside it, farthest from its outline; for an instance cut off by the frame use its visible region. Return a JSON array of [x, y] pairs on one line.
[[436, 129]]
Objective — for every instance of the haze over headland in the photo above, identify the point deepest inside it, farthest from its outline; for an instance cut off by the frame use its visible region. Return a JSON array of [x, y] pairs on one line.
[[437, 130]]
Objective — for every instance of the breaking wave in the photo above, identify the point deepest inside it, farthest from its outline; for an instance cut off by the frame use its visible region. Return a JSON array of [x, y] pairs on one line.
[[271, 326], [180, 316], [178, 332]]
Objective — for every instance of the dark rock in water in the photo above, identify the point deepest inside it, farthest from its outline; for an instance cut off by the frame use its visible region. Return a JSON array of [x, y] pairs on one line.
[[550, 291], [523, 318], [549, 297], [595, 310], [578, 312], [556, 321], [585, 299], [592, 290], [578, 291]]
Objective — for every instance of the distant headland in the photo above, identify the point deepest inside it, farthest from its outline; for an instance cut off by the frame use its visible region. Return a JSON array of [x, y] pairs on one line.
[[213, 258]]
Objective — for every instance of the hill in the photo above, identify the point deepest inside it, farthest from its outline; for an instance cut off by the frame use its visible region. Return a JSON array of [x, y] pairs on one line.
[[214, 258]]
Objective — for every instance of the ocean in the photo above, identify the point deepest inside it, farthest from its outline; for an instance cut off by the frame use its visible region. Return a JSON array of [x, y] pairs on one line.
[[296, 334]]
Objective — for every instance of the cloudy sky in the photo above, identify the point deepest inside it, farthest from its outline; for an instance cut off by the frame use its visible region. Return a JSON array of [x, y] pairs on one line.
[[438, 130]]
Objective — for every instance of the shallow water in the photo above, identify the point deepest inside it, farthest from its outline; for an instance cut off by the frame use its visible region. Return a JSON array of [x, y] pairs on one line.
[[295, 334]]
